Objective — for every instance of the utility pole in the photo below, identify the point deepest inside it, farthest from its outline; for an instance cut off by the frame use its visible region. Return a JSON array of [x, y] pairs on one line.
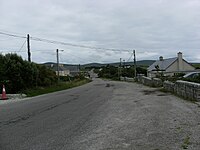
[[28, 46], [57, 65], [135, 71], [124, 69], [57, 55], [120, 71], [79, 67]]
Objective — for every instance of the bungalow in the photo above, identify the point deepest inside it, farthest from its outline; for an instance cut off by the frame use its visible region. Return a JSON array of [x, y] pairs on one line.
[[63, 71], [170, 66]]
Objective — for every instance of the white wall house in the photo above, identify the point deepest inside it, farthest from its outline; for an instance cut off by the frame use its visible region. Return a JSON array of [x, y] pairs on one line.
[[63, 72], [170, 66]]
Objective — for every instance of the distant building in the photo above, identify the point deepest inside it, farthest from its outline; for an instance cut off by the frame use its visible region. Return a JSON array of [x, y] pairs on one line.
[[170, 66], [63, 71]]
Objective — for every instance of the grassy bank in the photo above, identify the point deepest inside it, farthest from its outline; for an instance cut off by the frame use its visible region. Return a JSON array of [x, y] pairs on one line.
[[58, 87]]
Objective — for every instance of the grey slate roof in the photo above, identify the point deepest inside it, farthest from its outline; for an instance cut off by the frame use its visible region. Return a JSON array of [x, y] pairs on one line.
[[163, 65]]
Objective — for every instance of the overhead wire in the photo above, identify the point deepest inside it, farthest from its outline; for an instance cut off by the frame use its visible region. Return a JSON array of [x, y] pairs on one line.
[[12, 35], [130, 57], [83, 60], [77, 45], [64, 43], [22, 46], [61, 43]]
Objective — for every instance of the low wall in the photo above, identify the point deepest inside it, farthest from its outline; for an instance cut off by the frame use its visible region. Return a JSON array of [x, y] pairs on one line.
[[184, 89], [127, 79], [153, 82], [169, 86]]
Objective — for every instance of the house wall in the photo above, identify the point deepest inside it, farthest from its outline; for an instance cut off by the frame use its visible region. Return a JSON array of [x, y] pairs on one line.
[[187, 67], [63, 73], [152, 74], [175, 67]]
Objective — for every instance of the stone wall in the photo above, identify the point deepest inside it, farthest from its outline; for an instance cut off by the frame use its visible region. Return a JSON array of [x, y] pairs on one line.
[[184, 89], [127, 79], [169, 86], [153, 82]]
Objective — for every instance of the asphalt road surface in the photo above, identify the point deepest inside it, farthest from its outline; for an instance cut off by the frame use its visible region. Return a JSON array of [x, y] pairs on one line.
[[101, 115]]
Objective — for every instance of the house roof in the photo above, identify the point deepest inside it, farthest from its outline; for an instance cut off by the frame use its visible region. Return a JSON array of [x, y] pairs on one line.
[[163, 65]]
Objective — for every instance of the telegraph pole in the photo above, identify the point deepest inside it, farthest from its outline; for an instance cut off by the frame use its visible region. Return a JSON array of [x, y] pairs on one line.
[[119, 68], [57, 65], [124, 69], [135, 71], [28, 46]]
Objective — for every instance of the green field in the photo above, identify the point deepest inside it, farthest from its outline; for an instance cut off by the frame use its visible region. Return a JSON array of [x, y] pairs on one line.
[[196, 65]]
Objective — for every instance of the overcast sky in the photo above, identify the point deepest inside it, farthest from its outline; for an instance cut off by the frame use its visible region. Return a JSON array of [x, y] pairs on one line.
[[151, 27]]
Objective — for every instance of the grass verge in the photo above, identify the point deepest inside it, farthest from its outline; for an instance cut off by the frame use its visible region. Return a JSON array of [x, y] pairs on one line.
[[54, 88]]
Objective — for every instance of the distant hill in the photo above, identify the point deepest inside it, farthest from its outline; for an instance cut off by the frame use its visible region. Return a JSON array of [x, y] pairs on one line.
[[196, 65], [145, 63], [139, 63]]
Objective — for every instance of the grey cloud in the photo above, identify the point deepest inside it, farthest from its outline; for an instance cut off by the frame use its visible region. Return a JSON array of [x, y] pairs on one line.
[[152, 27]]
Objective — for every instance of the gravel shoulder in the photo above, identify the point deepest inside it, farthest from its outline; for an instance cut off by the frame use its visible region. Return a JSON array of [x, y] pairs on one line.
[[142, 118]]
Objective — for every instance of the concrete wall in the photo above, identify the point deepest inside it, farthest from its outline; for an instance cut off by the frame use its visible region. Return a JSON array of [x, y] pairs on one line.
[[184, 89]]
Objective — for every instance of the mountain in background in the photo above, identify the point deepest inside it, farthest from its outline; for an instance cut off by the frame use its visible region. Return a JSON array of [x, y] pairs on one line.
[[72, 67], [138, 63]]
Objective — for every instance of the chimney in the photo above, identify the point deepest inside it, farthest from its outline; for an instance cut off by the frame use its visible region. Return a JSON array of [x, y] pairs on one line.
[[180, 61], [161, 58]]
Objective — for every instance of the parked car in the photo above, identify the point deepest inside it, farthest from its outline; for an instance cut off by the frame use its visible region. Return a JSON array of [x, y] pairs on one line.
[[192, 75]]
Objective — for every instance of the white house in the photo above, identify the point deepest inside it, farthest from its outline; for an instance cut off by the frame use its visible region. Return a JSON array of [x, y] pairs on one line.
[[170, 66], [63, 71]]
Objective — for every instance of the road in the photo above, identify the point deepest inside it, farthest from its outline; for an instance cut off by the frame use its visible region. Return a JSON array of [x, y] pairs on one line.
[[101, 115]]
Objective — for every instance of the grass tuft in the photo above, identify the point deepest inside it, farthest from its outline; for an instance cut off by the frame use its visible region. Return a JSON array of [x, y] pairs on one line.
[[186, 142]]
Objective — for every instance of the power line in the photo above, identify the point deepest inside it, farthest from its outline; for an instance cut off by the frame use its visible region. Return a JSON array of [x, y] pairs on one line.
[[77, 45], [130, 57], [12, 35], [65, 43], [22, 46]]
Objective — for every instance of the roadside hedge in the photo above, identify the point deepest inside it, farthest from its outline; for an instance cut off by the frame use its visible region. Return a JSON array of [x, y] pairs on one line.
[[18, 74]]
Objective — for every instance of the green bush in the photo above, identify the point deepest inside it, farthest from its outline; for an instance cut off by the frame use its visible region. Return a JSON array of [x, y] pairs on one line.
[[18, 74], [112, 72]]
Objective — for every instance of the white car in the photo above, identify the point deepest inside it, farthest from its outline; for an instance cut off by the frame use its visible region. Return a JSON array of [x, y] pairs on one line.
[[192, 75]]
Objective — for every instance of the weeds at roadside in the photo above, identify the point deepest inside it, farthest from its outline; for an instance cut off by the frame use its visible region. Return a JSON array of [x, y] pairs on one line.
[[186, 143], [178, 129]]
